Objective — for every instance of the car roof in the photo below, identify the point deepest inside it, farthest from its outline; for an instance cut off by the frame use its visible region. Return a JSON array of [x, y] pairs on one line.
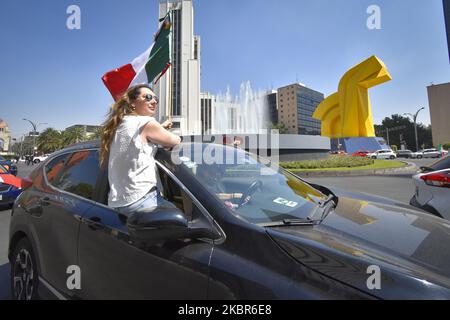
[[78, 146]]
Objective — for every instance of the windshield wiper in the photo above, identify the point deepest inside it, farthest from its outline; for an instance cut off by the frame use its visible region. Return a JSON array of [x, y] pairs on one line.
[[325, 206], [290, 222]]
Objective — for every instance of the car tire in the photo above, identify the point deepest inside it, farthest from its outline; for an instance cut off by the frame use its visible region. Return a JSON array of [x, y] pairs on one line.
[[373, 157], [392, 157], [419, 157], [36, 161], [24, 275]]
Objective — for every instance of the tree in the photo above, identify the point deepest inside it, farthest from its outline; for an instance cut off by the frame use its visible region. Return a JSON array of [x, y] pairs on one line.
[[49, 141], [73, 135], [405, 134], [280, 127], [97, 134]]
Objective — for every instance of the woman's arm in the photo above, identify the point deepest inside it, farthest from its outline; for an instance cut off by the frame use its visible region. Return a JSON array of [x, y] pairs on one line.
[[154, 132]]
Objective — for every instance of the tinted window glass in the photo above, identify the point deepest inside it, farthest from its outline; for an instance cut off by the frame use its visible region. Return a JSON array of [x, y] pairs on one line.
[[172, 192], [80, 174], [3, 170], [441, 164], [251, 189], [53, 168]]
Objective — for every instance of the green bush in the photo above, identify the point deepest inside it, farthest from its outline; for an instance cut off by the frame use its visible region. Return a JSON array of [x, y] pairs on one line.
[[332, 162], [446, 146]]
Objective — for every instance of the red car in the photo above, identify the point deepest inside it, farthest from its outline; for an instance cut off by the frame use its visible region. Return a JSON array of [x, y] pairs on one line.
[[361, 153]]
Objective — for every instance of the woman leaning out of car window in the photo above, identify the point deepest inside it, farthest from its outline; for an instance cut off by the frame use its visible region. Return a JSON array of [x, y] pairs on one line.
[[129, 143]]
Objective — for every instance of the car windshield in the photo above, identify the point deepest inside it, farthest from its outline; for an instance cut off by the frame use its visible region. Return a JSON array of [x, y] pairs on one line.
[[249, 186], [2, 159]]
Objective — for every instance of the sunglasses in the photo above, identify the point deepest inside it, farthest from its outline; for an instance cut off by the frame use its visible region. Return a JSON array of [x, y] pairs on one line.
[[149, 97]]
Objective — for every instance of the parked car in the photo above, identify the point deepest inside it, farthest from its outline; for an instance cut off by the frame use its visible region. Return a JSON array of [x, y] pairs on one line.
[[431, 153], [8, 165], [382, 154], [338, 153], [280, 238], [409, 154], [361, 153], [37, 159], [9, 187], [433, 192]]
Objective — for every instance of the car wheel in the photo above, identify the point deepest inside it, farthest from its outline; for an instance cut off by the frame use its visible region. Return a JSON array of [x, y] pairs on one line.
[[391, 157], [373, 157], [36, 161], [24, 276], [419, 157]]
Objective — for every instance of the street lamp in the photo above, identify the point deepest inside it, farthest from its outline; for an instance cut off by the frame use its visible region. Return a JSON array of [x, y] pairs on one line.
[[35, 126], [414, 116]]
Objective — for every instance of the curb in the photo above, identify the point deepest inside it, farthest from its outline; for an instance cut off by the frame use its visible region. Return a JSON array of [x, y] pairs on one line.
[[409, 169]]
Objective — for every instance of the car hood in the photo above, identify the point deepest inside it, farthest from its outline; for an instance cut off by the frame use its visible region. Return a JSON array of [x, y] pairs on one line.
[[410, 248]]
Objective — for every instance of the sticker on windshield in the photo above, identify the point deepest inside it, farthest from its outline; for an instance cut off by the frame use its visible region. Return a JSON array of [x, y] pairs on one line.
[[285, 202]]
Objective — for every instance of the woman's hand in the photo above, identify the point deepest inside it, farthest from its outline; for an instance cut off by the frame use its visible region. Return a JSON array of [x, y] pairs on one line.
[[167, 124]]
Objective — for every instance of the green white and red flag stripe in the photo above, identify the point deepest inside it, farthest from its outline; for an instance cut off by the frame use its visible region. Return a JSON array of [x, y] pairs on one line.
[[151, 64]]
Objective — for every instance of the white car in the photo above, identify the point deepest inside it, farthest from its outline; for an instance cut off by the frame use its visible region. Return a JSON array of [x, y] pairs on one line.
[[431, 153], [38, 159], [433, 192], [383, 154]]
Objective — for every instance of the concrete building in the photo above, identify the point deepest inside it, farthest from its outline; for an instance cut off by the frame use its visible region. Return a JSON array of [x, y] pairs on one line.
[[272, 103], [184, 74], [207, 109], [5, 136], [296, 104], [439, 104]]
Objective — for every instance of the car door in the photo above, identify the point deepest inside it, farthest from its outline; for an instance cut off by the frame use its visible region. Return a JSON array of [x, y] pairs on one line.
[[61, 202], [115, 267]]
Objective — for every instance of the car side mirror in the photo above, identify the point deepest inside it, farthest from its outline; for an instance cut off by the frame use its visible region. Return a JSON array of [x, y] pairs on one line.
[[163, 223]]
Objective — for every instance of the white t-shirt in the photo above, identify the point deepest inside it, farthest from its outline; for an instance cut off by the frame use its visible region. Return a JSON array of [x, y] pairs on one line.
[[131, 165]]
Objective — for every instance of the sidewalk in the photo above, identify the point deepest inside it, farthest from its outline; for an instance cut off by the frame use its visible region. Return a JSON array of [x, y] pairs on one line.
[[411, 168]]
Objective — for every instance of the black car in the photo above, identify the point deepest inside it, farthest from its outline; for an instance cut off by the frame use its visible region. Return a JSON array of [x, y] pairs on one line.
[[8, 165], [238, 228]]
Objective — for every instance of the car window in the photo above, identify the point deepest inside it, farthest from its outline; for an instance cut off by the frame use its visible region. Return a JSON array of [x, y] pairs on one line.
[[172, 192], [441, 164], [80, 174], [53, 168], [3, 170], [252, 190]]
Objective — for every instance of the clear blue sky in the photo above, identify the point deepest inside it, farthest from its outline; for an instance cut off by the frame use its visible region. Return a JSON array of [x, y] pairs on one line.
[[52, 74]]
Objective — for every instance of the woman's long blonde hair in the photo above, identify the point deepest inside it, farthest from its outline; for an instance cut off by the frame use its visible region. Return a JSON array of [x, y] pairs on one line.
[[118, 110]]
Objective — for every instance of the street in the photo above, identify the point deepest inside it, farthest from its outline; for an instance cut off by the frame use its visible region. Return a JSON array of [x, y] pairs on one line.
[[398, 187], [5, 215]]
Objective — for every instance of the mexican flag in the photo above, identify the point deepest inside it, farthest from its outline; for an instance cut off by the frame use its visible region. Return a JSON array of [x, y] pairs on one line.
[[151, 64]]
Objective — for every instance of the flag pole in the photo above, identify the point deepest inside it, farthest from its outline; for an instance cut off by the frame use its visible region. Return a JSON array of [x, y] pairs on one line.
[[170, 104]]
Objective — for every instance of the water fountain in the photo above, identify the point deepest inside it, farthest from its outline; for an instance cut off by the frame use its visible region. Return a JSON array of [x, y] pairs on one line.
[[247, 113]]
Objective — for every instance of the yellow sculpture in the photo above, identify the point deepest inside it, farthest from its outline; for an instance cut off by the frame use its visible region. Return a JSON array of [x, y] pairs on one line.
[[347, 113]]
